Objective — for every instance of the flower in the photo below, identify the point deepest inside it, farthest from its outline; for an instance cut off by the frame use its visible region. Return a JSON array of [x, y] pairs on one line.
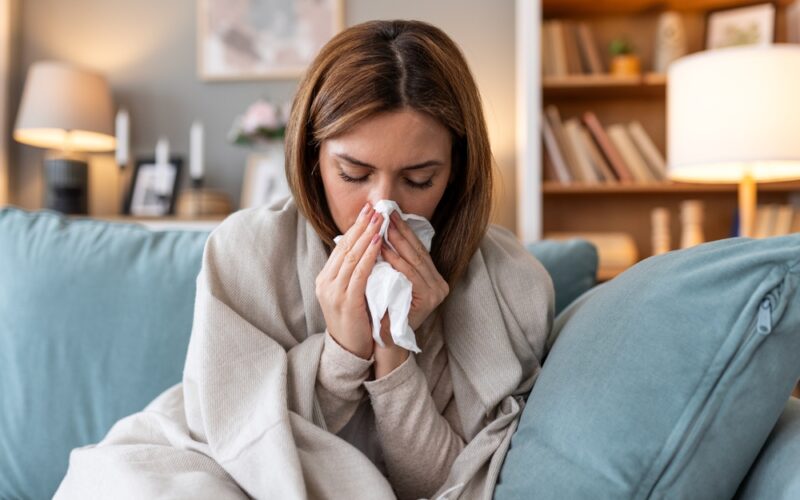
[[262, 122]]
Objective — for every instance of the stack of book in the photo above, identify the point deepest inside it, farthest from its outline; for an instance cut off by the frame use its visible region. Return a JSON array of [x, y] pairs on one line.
[[776, 220], [569, 48], [583, 151]]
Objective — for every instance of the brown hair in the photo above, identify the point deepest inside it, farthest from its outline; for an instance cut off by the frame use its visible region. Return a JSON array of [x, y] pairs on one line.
[[381, 66]]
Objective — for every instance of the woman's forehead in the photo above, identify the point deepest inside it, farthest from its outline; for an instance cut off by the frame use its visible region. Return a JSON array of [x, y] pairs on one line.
[[401, 138]]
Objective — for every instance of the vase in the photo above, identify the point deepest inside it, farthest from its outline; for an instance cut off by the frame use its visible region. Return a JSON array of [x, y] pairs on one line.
[[625, 65], [265, 178]]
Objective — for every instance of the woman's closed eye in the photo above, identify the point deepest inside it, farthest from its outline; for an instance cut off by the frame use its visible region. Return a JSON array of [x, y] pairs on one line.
[[410, 182]]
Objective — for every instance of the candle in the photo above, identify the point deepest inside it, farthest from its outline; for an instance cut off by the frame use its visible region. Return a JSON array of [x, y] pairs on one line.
[[162, 151], [196, 151], [122, 131], [162, 166]]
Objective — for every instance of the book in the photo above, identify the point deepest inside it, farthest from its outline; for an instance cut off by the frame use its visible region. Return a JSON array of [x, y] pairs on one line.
[[783, 220], [563, 143], [607, 147], [792, 14], [553, 151], [574, 66], [796, 221], [559, 50], [572, 128], [765, 221], [649, 151], [588, 49], [548, 171], [624, 144], [547, 54], [601, 166]]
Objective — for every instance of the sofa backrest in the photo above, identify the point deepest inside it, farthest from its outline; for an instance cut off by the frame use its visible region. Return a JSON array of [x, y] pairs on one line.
[[95, 319]]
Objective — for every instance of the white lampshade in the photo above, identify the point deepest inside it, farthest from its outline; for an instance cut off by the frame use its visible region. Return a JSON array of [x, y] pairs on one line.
[[66, 108], [732, 112]]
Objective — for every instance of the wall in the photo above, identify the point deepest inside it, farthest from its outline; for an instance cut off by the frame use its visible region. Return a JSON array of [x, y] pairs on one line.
[[147, 49]]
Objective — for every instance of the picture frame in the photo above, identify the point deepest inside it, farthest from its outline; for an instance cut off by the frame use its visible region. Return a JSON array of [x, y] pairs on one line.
[[149, 194], [264, 180], [263, 39], [751, 25]]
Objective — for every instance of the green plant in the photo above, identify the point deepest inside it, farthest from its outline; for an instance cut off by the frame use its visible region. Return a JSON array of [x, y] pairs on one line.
[[620, 47]]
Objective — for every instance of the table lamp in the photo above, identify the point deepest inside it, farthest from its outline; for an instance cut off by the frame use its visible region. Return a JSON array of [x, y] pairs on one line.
[[733, 116], [68, 110]]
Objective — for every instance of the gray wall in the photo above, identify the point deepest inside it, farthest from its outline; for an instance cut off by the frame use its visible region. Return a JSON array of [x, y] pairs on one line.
[[147, 50]]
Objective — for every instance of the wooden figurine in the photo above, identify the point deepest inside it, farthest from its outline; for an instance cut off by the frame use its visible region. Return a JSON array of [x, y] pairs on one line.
[[671, 42], [691, 223], [660, 228]]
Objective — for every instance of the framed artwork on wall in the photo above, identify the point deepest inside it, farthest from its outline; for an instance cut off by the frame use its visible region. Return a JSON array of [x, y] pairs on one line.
[[263, 39], [154, 188], [752, 25]]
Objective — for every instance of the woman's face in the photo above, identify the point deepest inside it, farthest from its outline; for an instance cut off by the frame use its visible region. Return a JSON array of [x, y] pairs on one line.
[[400, 155]]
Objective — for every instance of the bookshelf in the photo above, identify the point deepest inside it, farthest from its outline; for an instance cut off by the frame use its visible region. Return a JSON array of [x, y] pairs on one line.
[[547, 206]]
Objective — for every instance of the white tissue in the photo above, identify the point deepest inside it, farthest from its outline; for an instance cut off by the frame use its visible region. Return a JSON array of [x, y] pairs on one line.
[[388, 290]]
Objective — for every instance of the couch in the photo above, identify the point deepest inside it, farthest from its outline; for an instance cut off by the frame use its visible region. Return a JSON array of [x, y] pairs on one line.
[[95, 319]]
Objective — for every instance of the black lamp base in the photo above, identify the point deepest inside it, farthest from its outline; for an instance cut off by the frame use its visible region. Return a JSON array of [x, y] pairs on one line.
[[67, 185]]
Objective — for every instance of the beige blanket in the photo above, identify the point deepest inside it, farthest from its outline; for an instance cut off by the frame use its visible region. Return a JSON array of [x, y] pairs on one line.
[[245, 420]]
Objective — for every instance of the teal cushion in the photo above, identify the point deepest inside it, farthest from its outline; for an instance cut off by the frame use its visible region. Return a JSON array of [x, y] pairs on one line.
[[776, 473], [666, 381], [95, 319], [572, 265]]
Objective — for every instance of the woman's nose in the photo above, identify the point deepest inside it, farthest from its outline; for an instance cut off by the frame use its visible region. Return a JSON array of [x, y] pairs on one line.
[[383, 190]]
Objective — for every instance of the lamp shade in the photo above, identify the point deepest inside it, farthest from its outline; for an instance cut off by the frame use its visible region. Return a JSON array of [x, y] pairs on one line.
[[64, 107], [734, 112]]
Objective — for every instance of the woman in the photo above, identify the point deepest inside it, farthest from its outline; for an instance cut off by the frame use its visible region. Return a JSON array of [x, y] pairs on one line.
[[285, 394]]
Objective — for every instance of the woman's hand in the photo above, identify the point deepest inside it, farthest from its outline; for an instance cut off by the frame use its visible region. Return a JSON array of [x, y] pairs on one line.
[[341, 285], [429, 289]]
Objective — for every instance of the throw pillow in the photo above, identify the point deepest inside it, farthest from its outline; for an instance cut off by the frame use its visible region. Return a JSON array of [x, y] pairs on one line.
[[666, 381]]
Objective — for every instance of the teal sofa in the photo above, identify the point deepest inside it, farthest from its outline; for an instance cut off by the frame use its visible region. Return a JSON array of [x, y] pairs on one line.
[[95, 319]]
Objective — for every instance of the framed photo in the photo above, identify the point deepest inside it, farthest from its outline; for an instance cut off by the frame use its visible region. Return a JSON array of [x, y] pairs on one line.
[[154, 188], [263, 39], [754, 25], [264, 180]]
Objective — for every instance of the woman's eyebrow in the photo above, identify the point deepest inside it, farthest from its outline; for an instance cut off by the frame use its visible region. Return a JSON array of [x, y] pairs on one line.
[[360, 163]]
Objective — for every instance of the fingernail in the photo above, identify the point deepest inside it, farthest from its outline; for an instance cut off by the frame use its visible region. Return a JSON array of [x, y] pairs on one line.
[[375, 218], [376, 238], [364, 210]]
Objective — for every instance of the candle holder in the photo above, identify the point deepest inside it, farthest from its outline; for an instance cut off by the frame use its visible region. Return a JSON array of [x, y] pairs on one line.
[[200, 202]]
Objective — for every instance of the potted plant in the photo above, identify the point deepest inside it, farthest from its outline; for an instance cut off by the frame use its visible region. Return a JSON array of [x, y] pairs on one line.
[[623, 61]]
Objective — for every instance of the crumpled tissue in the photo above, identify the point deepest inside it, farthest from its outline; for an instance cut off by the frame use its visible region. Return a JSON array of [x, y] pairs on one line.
[[388, 290]]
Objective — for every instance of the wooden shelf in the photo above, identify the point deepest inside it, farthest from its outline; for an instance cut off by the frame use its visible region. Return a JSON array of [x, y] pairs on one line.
[[604, 86], [568, 8], [554, 188]]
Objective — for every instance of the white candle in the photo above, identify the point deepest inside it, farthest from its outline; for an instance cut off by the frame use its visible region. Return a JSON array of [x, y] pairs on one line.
[[162, 169], [122, 131], [196, 151], [162, 151]]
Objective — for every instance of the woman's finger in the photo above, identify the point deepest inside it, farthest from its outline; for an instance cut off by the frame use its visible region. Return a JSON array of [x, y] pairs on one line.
[[331, 268], [402, 265], [405, 230], [358, 278], [353, 257], [413, 252]]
